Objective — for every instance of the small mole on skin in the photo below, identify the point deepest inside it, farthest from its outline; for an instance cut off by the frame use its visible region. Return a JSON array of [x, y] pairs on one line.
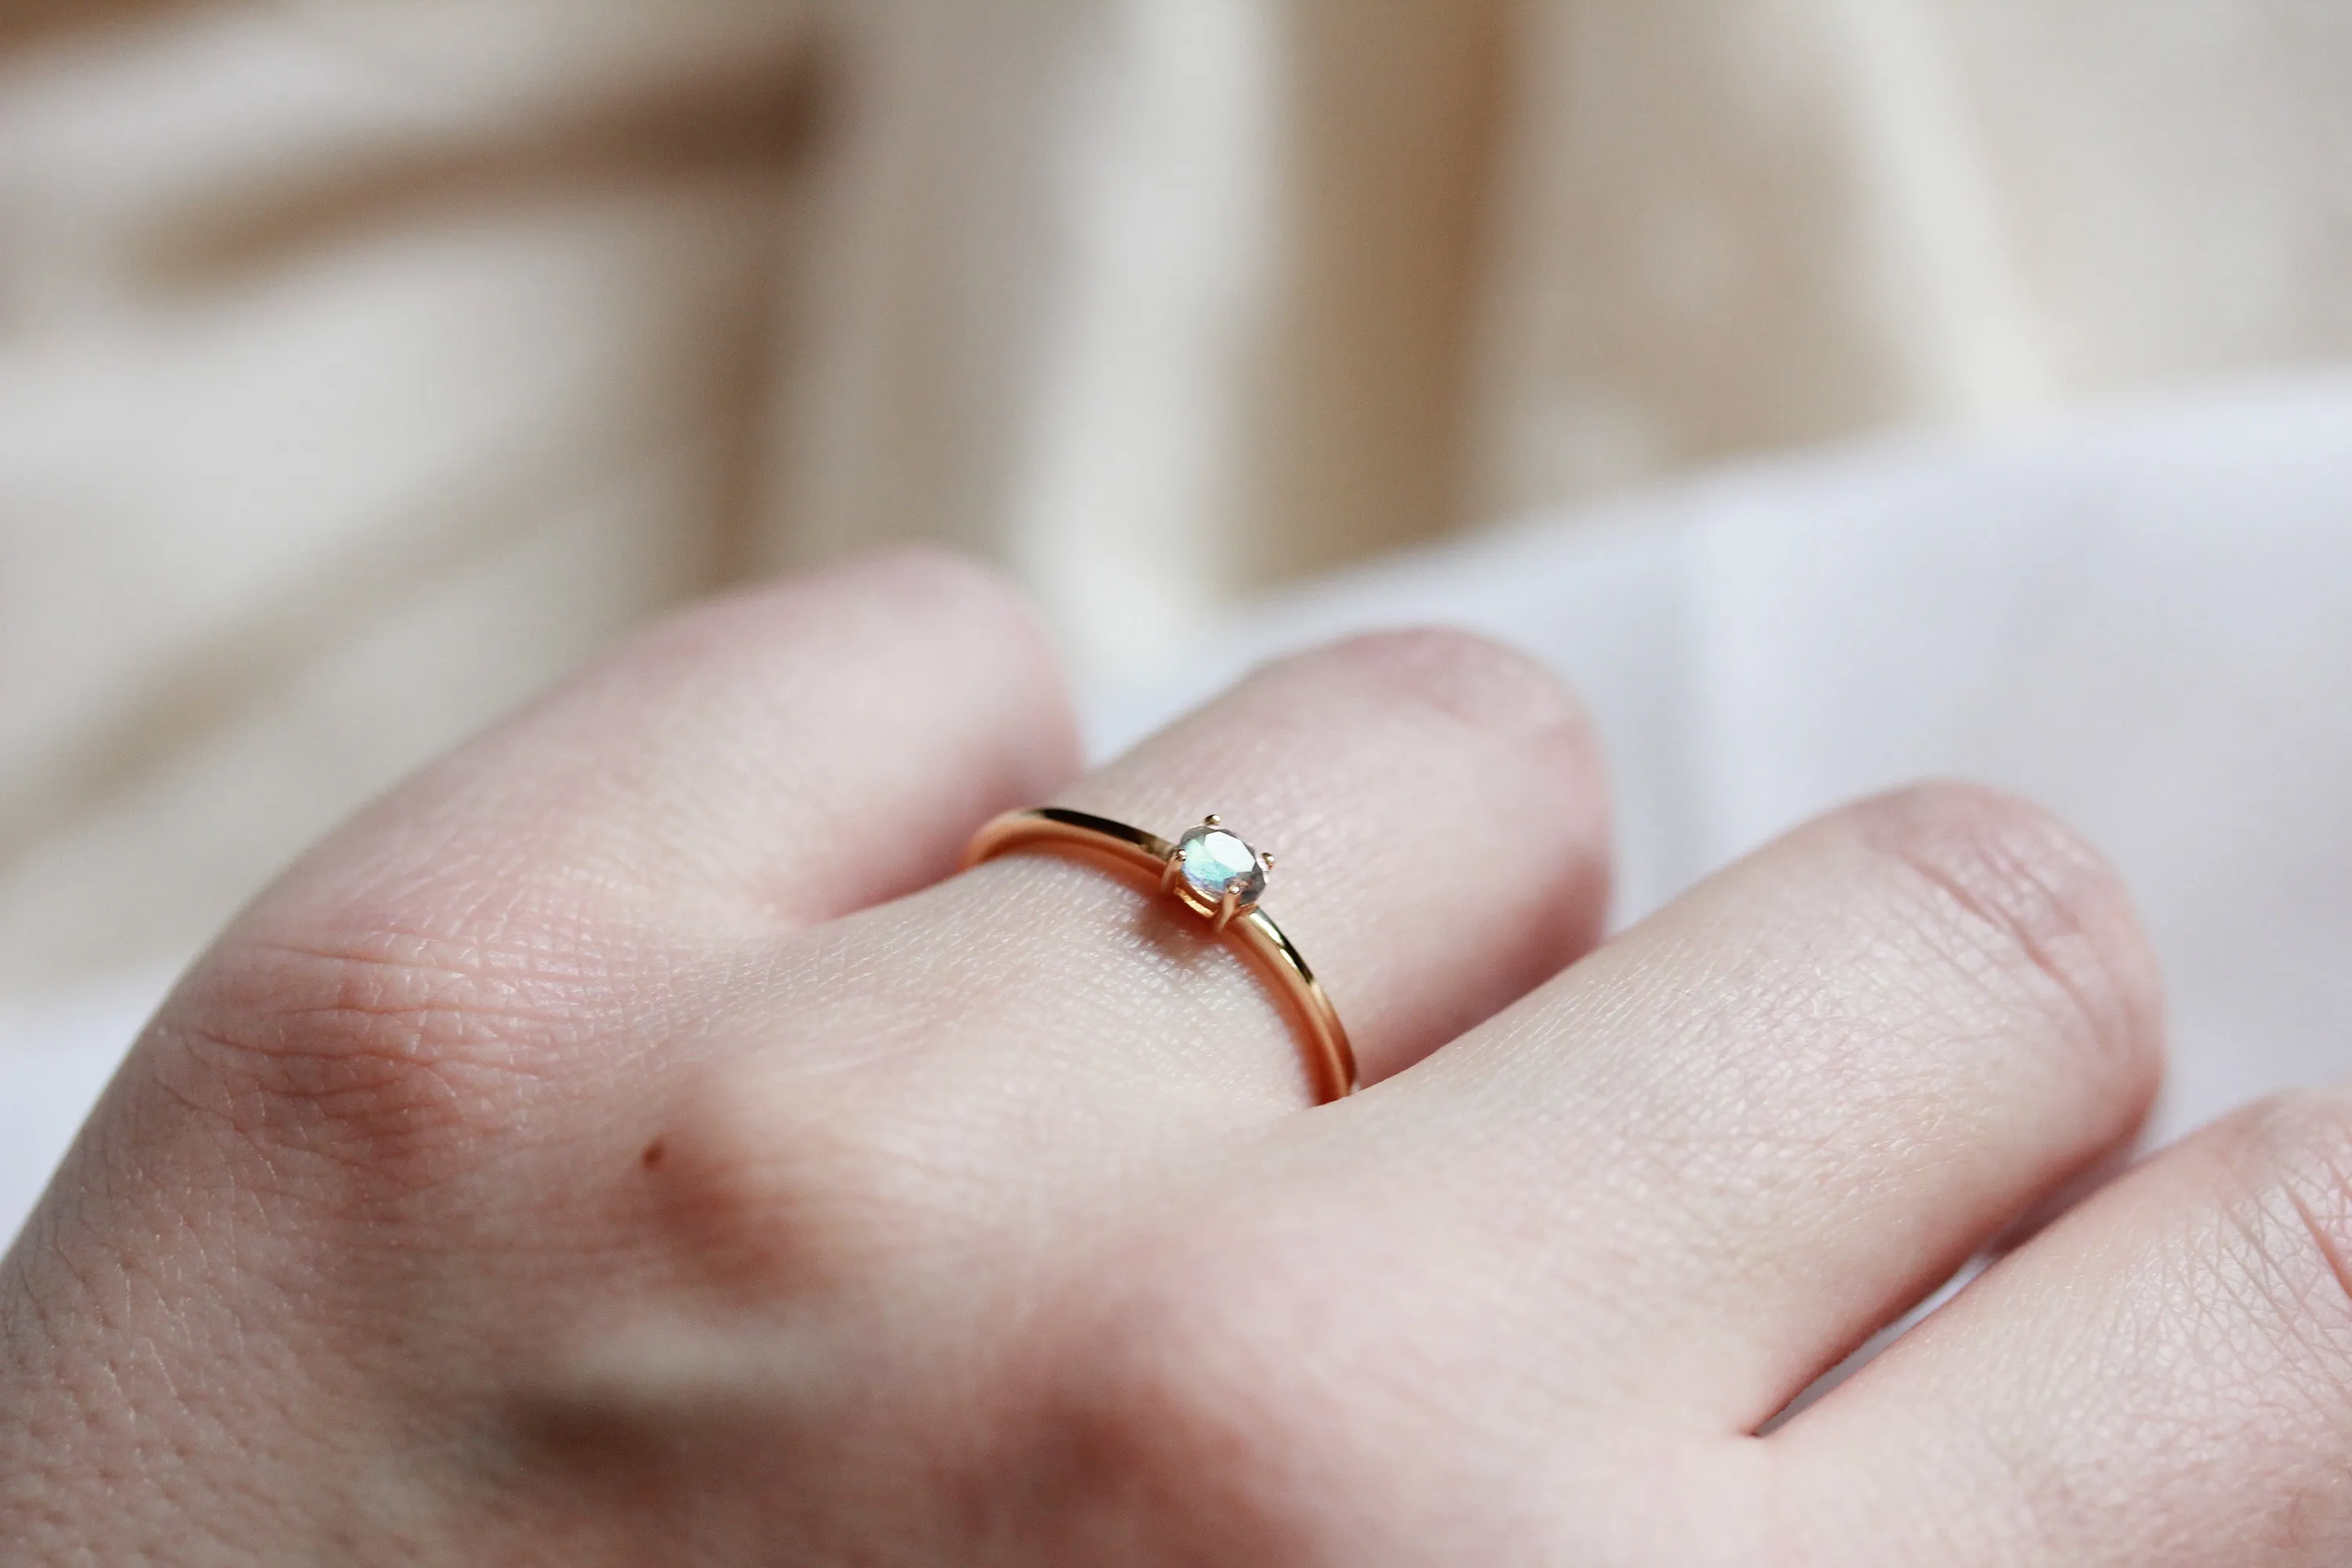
[[653, 1152]]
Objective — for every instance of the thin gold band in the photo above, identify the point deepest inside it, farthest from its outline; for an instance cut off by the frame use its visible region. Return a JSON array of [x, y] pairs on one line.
[[1143, 860]]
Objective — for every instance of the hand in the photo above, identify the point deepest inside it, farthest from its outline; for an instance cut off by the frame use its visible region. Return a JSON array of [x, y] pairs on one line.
[[629, 1143]]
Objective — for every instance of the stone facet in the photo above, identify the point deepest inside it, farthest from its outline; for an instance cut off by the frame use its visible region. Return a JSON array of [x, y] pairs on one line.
[[1212, 860]]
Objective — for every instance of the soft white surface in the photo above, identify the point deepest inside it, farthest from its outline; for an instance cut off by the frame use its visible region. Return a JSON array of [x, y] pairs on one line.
[[2143, 621]]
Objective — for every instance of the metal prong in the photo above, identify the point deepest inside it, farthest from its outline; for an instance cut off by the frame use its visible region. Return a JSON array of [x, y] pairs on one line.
[[1266, 859], [1212, 820], [1167, 876], [1227, 907]]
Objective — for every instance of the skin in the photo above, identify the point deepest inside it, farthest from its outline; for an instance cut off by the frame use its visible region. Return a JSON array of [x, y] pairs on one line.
[[630, 1142]]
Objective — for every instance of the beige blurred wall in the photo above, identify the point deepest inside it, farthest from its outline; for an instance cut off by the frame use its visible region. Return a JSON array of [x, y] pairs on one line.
[[365, 362]]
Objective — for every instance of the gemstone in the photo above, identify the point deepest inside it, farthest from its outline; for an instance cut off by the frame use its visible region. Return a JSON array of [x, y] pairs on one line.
[[1212, 860]]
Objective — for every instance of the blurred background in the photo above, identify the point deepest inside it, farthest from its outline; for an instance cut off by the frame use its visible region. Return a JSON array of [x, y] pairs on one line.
[[363, 364]]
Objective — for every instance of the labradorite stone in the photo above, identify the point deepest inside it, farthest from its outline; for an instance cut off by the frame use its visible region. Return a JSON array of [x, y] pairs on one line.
[[1211, 860]]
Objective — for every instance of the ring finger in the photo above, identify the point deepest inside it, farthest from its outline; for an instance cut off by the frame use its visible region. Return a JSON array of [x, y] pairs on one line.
[[1438, 813]]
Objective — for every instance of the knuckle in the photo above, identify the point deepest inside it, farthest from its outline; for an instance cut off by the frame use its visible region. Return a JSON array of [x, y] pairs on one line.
[[384, 1047], [774, 658], [2009, 898], [945, 581], [957, 601], [932, 593], [2288, 1207], [1458, 676]]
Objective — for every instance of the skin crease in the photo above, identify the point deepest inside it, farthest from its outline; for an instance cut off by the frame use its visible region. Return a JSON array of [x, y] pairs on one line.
[[628, 1142]]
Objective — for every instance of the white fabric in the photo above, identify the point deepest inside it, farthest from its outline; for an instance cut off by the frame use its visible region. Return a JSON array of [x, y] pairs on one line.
[[2144, 622]]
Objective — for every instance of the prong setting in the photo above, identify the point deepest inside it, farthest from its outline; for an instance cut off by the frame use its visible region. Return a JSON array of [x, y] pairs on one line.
[[1214, 873], [1131, 851]]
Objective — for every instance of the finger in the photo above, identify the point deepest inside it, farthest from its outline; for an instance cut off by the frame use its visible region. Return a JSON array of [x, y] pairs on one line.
[[1439, 804], [2162, 1379], [1435, 806], [1803, 1094], [779, 757]]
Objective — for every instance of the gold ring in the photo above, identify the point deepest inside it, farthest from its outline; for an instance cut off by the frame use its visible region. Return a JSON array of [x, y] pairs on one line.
[[1214, 872]]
